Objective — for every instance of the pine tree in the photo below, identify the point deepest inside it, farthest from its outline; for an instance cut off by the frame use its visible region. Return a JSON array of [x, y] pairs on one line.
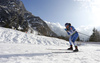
[[95, 37]]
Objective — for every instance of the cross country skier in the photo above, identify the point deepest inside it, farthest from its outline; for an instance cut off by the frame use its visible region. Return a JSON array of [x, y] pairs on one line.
[[73, 36]]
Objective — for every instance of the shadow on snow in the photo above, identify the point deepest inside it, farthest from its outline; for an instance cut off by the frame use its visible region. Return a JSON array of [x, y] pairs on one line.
[[25, 55]]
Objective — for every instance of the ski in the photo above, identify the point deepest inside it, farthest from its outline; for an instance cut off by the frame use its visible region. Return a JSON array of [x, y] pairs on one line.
[[66, 52], [56, 49], [60, 49], [63, 52]]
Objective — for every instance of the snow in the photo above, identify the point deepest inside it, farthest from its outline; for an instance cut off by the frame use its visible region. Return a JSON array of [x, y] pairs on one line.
[[20, 47]]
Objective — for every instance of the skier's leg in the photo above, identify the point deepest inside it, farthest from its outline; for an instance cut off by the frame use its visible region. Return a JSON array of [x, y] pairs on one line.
[[71, 47], [70, 41], [74, 37]]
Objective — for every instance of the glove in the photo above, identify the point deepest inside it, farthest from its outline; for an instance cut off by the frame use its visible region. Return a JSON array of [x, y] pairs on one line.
[[68, 33], [65, 29]]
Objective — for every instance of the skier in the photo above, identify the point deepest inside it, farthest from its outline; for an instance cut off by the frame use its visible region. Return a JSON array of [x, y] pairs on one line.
[[73, 36]]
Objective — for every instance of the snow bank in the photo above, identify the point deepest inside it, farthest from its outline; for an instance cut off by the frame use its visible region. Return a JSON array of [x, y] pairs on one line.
[[14, 36]]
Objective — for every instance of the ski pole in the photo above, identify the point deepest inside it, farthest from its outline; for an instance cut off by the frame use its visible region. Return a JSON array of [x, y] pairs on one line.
[[83, 34]]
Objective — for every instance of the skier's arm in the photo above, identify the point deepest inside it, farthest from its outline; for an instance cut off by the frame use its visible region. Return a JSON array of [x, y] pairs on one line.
[[67, 31]]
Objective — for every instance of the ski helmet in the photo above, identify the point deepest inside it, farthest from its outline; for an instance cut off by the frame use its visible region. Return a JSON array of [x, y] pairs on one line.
[[67, 24]]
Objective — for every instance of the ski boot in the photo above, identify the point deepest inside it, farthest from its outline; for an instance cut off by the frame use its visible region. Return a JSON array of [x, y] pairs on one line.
[[71, 48], [76, 49]]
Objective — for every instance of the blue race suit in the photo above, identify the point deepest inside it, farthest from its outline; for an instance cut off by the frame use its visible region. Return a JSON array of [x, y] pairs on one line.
[[73, 35]]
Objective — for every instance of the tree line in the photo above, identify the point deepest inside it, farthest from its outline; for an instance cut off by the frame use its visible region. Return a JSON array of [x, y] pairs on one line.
[[95, 37]]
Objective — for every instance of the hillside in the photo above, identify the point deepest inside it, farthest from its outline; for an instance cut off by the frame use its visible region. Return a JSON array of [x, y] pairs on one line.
[[14, 15]]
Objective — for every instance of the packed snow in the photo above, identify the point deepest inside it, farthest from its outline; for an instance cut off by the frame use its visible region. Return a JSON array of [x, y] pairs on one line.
[[21, 47]]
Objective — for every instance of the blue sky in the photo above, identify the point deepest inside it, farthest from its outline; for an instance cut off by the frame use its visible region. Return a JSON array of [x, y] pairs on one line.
[[77, 12]]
